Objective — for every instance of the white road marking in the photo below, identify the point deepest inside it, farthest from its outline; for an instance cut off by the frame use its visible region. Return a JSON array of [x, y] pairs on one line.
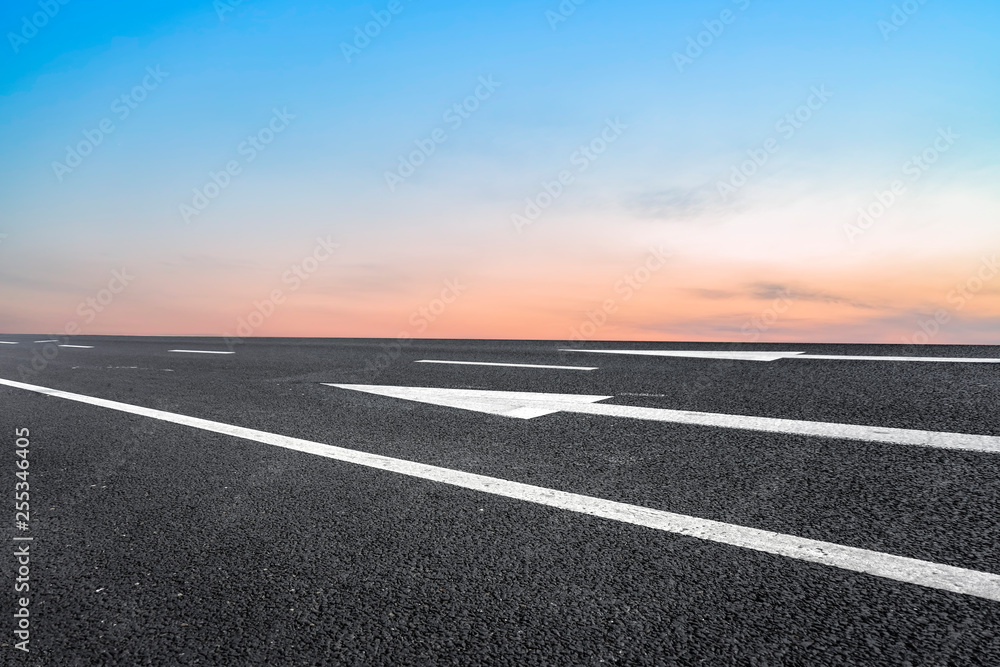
[[701, 354], [897, 568], [47, 341], [490, 363], [776, 356], [527, 405], [86, 347], [8, 342], [202, 351], [519, 404], [953, 360]]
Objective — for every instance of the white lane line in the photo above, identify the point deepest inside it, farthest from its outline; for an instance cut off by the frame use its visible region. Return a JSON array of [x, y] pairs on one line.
[[897, 436], [8, 342], [490, 363], [527, 405], [86, 347], [201, 351], [700, 354], [844, 357], [898, 568], [776, 356], [47, 341]]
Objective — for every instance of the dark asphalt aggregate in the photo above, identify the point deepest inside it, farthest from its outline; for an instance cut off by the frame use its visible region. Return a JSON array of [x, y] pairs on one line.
[[159, 544]]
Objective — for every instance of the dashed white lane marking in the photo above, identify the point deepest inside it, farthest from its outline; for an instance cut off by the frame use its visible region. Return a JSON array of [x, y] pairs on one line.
[[53, 340], [775, 356], [8, 342], [527, 405], [202, 351], [491, 363], [86, 347], [889, 566]]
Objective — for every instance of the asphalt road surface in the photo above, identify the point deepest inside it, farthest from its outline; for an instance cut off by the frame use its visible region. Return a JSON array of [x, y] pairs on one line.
[[198, 508]]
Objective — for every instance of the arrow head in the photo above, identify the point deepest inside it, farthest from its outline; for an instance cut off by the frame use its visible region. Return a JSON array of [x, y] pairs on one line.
[[517, 404]]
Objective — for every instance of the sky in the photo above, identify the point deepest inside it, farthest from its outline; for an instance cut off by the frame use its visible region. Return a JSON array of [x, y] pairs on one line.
[[733, 170]]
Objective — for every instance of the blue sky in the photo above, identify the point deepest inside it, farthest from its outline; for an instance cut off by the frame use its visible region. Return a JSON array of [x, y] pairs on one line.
[[559, 83]]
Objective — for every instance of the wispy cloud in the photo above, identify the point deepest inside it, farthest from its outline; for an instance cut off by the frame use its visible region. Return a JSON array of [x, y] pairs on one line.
[[768, 291], [713, 293], [677, 204]]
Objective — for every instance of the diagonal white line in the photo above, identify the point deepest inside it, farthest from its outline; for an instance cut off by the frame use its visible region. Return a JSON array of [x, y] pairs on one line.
[[898, 568]]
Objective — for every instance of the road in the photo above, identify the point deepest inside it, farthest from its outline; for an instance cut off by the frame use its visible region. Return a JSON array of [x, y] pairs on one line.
[[293, 501]]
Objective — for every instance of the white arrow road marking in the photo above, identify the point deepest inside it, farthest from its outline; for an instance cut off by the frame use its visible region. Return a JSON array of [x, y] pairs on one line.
[[527, 405], [202, 351], [898, 568], [519, 404], [775, 356], [490, 363]]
